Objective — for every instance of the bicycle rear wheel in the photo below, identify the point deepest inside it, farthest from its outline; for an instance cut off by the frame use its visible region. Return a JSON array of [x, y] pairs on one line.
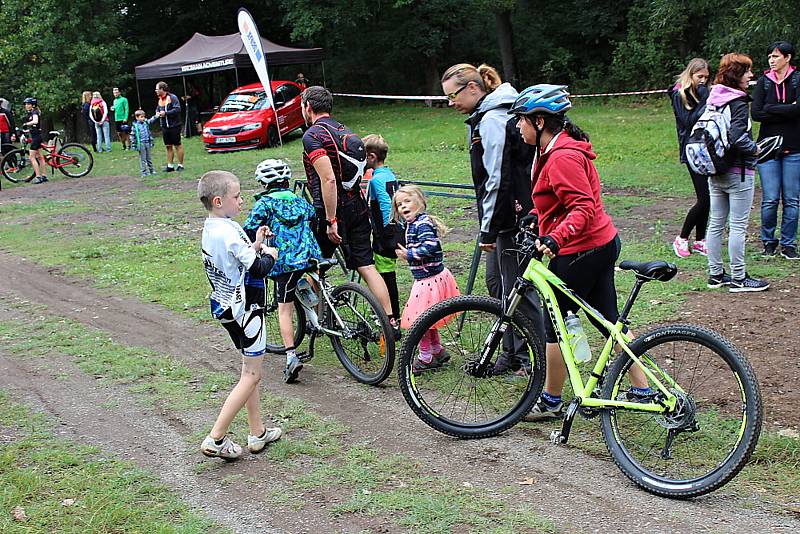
[[16, 167], [455, 399], [707, 440], [74, 160], [366, 347], [273, 329]]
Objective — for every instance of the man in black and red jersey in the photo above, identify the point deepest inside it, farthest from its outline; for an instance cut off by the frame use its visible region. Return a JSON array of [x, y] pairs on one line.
[[342, 213]]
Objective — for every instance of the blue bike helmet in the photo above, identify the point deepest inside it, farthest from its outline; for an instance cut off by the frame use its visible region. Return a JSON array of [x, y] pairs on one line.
[[31, 100], [542, 98]]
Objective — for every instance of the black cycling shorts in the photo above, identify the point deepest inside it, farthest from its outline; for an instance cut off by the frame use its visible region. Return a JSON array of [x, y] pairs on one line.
[[354, 229], [285, 285], [590, 275], [36, 141], [172, 136]]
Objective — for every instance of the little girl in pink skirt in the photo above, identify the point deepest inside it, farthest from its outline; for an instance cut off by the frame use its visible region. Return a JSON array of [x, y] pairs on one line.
[[433, 282]]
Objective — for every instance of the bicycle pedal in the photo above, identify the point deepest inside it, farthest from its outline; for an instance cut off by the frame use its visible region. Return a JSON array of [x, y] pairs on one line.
[[557, 438], [304, 356]]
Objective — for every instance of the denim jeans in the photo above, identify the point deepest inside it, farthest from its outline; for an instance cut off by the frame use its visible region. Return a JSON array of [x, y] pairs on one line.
[[780, 182], [146, 159], [103, 133], [731, 200]]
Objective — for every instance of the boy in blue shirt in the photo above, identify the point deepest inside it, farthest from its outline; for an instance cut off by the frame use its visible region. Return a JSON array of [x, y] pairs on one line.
[[386, 234], [142, 140], [289, 218]]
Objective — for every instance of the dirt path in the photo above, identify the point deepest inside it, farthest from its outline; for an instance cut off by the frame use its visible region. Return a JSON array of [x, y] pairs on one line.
[[377, 416]]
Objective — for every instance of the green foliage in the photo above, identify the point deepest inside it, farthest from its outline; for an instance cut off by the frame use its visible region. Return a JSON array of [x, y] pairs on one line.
[[55, 50]]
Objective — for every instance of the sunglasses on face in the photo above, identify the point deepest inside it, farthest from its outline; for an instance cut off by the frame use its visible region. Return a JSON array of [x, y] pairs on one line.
[[452, 96]]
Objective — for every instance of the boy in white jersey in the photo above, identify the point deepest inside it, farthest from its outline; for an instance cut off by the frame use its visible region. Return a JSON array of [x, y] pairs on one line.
[[230, 260]]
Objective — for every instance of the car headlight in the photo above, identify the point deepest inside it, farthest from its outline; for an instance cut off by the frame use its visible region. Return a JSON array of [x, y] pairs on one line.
[[251, 126], [206, 131]]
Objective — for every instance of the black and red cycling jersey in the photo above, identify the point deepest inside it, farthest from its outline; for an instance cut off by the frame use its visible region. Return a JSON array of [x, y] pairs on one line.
[[318, 142]]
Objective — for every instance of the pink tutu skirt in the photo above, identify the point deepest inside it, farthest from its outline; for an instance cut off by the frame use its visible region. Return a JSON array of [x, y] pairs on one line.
[[427, 292]]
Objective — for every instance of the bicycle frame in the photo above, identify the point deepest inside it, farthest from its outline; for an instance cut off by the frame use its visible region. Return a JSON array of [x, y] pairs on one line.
[[540, 278]]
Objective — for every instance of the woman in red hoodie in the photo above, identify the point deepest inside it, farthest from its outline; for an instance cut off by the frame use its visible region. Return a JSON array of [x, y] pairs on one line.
[[575, 231]]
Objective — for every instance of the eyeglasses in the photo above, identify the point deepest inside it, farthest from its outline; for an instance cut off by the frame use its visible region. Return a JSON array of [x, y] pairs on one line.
[[452, 96]]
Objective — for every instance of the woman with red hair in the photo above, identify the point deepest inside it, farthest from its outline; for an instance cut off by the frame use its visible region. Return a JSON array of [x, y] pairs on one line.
[[731, 192]]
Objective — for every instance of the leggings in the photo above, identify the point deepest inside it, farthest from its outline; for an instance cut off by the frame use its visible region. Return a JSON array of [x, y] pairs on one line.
[[697, 217], [429, 344], [394, 296]]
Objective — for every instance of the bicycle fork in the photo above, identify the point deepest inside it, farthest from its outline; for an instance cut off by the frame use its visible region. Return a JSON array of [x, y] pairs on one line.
[[480, 368]]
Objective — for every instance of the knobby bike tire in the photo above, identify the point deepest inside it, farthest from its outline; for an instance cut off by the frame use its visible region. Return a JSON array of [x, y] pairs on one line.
[[454, 401], [81, 160], [369, 354], [17, 159], [273, 332], [720, 420]]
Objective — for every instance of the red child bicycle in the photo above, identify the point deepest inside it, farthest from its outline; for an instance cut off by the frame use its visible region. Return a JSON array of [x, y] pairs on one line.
[[72, 159]]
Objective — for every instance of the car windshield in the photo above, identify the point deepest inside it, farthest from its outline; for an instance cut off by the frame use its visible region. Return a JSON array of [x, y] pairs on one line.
[[244, 101]]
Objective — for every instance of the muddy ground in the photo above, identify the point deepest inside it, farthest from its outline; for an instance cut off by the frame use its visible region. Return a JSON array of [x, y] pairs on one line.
[[240, 495]]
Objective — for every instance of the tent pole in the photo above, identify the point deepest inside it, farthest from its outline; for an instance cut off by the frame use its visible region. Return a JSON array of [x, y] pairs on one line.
[[186, 127], [236, 70], [324, 81], [138, 96]]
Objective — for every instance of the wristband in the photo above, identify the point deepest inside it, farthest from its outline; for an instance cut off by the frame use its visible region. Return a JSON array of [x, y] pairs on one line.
[[330, 222]]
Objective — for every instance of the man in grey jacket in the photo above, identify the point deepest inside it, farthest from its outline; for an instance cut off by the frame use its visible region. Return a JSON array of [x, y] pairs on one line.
[[168, 112], [501, 173]]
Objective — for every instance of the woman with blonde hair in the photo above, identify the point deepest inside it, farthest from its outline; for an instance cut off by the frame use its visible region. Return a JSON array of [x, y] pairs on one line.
[[86, 99], [501, 174], [688, 97]]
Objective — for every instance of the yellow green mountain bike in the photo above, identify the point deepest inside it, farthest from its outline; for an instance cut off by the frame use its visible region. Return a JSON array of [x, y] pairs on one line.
[[692, 435]]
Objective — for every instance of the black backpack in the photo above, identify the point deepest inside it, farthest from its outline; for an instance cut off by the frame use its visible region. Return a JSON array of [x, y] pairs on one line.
[[352, 157]]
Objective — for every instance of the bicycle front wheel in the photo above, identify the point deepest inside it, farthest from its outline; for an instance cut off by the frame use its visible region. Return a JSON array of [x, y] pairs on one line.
[[457, 399], [366, 346], [709, 437], [16, 167], [74, 160]]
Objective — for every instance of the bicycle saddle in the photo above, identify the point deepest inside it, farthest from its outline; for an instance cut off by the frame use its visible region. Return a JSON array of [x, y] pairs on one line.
[[651, 270], [54, 133], [323, 264]]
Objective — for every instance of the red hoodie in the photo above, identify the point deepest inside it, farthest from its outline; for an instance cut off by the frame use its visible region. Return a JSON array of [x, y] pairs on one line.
[[566, 196]]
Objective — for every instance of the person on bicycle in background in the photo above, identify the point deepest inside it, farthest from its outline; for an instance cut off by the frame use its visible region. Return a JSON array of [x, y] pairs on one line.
[[34, 123], [575, 231], [500, 163]]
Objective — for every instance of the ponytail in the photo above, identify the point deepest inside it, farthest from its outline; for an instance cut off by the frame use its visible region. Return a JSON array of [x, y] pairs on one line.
[[491, 79], [560, 122]]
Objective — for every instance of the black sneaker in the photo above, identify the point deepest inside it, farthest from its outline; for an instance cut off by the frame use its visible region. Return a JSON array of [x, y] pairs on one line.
[[292, 370], [790, 253], [748, 284], [168, 168], [643, 398], [419, 367], [770, 250], [542, 412], [40, 180], [715, 281]]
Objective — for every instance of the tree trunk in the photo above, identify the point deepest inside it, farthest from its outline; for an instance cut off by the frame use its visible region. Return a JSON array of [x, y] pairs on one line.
[[505, 42]]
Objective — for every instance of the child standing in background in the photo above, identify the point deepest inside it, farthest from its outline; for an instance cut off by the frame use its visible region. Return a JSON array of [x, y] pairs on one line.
[[385, 231], [433, 282], [142, 140]]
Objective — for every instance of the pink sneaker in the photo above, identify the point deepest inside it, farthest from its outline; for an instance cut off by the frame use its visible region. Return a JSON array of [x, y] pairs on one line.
[[681, 247], [699, 247]]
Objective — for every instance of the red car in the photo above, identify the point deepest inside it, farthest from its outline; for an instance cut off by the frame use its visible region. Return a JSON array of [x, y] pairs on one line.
[[244, 120]]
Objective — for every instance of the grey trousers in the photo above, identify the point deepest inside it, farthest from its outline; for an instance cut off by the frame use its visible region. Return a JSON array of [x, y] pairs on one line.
[[502, 271], [146, 160], [731, 200]]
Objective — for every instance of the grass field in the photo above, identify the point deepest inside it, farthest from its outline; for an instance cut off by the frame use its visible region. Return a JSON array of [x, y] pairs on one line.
[[145, 244]]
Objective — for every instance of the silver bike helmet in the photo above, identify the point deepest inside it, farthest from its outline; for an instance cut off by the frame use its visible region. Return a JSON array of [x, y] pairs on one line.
[[271, 171], [769, 148]]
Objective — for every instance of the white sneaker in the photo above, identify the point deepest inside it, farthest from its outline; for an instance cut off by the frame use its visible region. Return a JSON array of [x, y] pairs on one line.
[[256, 444], [228, 449]]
